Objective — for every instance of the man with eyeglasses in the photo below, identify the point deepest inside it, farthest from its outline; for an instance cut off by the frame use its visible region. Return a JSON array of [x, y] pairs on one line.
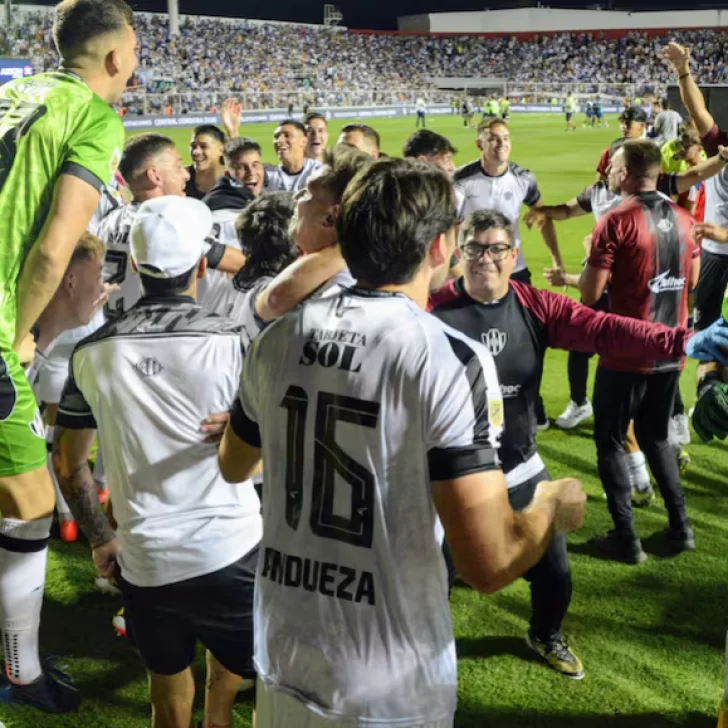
[[518, 323]]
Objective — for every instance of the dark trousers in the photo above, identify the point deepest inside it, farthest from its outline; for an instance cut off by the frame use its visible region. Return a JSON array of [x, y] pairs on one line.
[[578, 368], [648, 399], [550, 578]]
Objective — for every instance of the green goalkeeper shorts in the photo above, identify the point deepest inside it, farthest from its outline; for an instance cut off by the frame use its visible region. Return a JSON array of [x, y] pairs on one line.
[[22, 433]]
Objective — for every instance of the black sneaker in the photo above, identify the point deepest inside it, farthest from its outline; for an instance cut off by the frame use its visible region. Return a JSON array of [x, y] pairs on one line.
[[681, 539], [52, 692], [620, 549]]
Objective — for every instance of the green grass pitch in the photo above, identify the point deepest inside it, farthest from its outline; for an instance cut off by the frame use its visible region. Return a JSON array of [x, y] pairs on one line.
[[651, 636]]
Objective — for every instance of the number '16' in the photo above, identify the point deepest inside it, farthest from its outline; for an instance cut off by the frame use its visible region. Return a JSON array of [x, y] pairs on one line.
[[329, 459]]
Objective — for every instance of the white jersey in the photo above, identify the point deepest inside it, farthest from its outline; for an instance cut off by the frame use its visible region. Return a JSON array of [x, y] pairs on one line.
[[278, 180], [505, 193], [110, 200], [147, 381], [421, 107], [213, 289], [114, 232], [361, 400], [599, 199]]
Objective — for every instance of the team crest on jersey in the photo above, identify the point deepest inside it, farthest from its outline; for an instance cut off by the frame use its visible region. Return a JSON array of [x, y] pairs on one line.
[[148, 367], [495, 341], [508, 195], [495, 412], [665, 225]]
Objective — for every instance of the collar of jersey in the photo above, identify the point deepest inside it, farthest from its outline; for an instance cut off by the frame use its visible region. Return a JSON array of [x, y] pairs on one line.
[[176, 300], [73, 75], [493, 176], [373, 293], [460, 288]]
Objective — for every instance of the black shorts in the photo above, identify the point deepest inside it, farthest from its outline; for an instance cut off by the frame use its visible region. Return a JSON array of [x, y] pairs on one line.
[[569, 115], [166, 622], [711, 287]]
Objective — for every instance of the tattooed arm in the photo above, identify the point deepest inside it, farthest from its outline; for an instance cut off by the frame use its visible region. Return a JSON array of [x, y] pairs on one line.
[[71, 449]]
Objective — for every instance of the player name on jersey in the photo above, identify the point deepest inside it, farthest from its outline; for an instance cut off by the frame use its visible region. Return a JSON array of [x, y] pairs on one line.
[[323, 348], [328, 579]]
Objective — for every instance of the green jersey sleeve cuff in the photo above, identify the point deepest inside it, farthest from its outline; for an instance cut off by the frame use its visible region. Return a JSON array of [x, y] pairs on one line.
[[86, 175]]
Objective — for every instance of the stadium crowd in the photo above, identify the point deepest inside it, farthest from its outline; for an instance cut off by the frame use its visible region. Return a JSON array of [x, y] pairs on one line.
[[315, 385], [331, 65]]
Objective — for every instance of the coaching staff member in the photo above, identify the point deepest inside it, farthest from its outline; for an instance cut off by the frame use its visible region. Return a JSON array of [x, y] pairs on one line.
[[645, 246]]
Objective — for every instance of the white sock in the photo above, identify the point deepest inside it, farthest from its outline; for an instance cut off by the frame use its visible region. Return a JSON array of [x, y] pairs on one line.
[[64, 512], [99, 474], [23, 556], [639, 476]]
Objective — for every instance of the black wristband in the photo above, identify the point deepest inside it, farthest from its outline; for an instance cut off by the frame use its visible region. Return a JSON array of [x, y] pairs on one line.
[[707, 382], [685, 75]]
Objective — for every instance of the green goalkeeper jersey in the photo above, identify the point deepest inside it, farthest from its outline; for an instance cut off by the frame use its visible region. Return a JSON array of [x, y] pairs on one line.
[[50, 124]]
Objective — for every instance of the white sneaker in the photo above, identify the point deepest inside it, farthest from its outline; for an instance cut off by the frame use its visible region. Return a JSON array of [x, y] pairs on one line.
[[682, 431], [574, 414]]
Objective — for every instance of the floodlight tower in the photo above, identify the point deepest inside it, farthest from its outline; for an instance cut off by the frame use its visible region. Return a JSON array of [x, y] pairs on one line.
[[332, 16], [173, 11]]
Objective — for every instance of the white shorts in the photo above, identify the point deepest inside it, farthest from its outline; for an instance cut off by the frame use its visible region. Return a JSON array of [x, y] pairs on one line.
[[274, 709]]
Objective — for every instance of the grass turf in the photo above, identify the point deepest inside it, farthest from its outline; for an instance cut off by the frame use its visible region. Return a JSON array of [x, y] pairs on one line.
[[651, 636]]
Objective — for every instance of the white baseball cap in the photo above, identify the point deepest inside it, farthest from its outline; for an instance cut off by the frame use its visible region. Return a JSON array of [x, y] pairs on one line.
[[168, 236]]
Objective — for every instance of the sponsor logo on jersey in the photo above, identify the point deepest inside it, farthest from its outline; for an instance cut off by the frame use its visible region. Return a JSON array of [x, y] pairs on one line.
[[495, 341], [510, 391], [665, 225], [665, 282], [148, 367]]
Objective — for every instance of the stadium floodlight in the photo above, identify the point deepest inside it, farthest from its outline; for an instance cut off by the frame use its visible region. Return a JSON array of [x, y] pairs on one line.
[[332, 15]]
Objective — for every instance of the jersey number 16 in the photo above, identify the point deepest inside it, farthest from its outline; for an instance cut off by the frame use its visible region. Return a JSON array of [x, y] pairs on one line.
[[329, 459]]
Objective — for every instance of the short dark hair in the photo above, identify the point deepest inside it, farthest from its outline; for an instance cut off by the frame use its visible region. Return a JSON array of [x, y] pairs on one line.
[[263, 232], [292, 122], [315, 115], [167, 286], [139, 150], [642, 158], [236, 147], [368, 132], [428, 144], [341, 165], [77, 22], [665, 103], [210, 130], [481, 221], [390, 213]]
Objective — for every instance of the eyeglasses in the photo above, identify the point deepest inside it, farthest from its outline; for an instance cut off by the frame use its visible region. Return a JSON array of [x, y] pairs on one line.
[[475, 251]]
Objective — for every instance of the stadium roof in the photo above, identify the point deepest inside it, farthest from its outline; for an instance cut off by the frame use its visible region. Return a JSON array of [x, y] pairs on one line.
[[381, 14]]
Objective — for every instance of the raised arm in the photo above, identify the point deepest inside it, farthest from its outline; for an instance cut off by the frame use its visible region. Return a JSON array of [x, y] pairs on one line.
[[692, 97], [705, 170], [298, 281]]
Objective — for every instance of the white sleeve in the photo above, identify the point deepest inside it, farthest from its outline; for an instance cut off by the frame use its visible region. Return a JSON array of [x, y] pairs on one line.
[[464, 409]]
